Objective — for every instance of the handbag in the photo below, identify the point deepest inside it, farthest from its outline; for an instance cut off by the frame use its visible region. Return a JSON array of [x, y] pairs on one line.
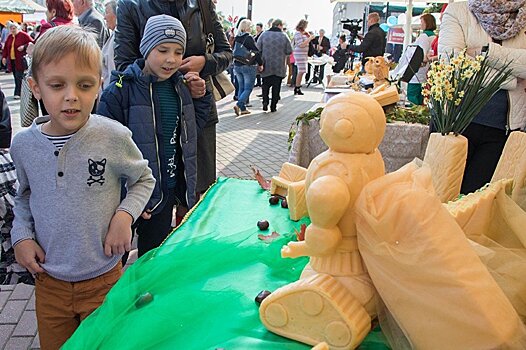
[[221, 84], [28, 104], [243, 55]]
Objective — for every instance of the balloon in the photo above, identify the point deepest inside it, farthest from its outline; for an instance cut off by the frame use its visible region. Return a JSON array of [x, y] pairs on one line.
[[392, 20], [401, 18], [384, 26]]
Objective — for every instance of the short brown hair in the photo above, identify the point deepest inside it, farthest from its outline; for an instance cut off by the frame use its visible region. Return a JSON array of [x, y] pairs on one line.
[[430, 21], [302, 25], [59, 41]]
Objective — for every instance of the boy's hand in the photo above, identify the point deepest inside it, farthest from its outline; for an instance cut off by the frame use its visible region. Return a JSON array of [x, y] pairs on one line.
[[147, 214], [195, 84], [193, 64], [118, 238], [29, 254]]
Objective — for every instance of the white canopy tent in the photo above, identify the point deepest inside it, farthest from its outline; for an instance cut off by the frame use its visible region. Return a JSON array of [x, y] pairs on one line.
[[409, 14]]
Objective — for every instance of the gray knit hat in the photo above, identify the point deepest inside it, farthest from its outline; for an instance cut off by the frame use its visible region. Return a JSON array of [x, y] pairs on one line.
[[162, 29]]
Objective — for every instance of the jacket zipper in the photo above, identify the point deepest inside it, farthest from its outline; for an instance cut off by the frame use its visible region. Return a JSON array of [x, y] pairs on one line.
[[183, 126], [157, 150]]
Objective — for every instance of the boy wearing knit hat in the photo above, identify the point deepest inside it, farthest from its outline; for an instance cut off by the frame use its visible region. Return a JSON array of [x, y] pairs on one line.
[[151, 98]]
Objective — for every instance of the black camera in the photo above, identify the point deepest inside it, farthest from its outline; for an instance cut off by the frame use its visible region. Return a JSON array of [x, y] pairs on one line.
[[352, 25]]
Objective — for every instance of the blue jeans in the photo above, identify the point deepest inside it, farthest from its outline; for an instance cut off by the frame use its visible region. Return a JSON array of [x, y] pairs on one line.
[[245, 76]]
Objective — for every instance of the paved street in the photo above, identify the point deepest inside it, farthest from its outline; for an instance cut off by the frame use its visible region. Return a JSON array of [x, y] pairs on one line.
[[258, 139]]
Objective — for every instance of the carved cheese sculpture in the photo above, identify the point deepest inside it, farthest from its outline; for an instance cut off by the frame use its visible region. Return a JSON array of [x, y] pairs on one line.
[[491, 219], [512, 165], [334, 299], [430, 279], [446, 155], [380, 70]]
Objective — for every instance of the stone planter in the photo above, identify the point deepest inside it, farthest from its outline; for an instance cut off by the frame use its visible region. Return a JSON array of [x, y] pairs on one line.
[[401, 144]]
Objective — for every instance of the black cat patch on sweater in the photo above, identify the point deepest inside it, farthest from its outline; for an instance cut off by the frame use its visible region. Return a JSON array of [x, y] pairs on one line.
[[96, 169]]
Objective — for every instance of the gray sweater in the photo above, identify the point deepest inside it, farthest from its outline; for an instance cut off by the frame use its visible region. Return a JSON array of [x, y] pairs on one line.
[[67, 199], [275, 47]]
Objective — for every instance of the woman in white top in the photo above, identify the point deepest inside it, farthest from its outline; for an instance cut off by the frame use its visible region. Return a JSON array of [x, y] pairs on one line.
[[414, 88]]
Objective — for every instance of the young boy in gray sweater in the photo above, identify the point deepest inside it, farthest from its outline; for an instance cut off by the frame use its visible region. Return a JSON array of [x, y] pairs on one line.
[[71, 226]]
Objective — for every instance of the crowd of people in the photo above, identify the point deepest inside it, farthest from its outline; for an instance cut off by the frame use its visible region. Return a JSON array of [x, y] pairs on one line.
[[148, 66]]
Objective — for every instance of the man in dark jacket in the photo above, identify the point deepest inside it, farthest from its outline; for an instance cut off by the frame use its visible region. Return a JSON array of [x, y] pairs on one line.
[[373, 44], [275, 47], [132, 16]]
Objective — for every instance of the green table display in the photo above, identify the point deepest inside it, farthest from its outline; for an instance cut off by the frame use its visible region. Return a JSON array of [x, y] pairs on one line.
[[197, 290]]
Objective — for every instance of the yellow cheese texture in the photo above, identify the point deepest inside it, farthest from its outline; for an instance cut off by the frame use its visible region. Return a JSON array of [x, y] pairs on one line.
[[446, 156], [426, 272], [495, 224]]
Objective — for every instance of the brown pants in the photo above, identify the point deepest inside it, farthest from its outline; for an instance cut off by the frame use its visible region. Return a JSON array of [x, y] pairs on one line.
[[61, 306]]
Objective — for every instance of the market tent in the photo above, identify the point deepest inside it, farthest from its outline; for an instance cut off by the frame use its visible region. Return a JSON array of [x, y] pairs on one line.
[[12, 10], [38, 15], [15, 6]]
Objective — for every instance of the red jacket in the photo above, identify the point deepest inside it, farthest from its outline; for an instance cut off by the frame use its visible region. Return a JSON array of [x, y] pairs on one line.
[[58, 21], [21, 39]]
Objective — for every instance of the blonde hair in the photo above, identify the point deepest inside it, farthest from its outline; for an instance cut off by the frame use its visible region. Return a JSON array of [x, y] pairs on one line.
[[374, 16], [60, 41], [245, 26]]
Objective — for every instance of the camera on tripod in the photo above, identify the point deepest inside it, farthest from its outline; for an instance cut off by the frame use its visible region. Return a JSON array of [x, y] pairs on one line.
[[353, 26]]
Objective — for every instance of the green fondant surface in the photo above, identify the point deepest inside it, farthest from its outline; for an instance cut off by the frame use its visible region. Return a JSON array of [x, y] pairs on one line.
[[203, 280]]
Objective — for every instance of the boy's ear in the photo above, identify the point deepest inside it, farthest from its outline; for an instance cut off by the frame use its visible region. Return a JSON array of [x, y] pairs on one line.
[[34, 87]]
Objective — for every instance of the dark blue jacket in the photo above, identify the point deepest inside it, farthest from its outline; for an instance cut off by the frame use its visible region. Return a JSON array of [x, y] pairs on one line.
[[129, 99]]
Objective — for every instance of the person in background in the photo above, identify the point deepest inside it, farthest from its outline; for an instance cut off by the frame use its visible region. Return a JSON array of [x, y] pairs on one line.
[[310, 53], [373, 44], [108, 62], [473, 26], [13, 55], [231, 36], [341, 54], [259, 30], [10, 271], [275, 47], [3, 37], [245, 72], [71, 224], [300, 45], [424, 40], [35, 32], [321, 45], [59, 13], [91, 19], [433, 55]]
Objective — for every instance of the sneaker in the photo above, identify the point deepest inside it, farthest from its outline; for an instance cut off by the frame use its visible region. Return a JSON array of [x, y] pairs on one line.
[[273, 109], [237, 110], [265, 107], [16, 97], [246, 111]]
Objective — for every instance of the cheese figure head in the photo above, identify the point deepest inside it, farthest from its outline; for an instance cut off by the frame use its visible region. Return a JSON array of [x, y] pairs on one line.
[[352, 122]]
